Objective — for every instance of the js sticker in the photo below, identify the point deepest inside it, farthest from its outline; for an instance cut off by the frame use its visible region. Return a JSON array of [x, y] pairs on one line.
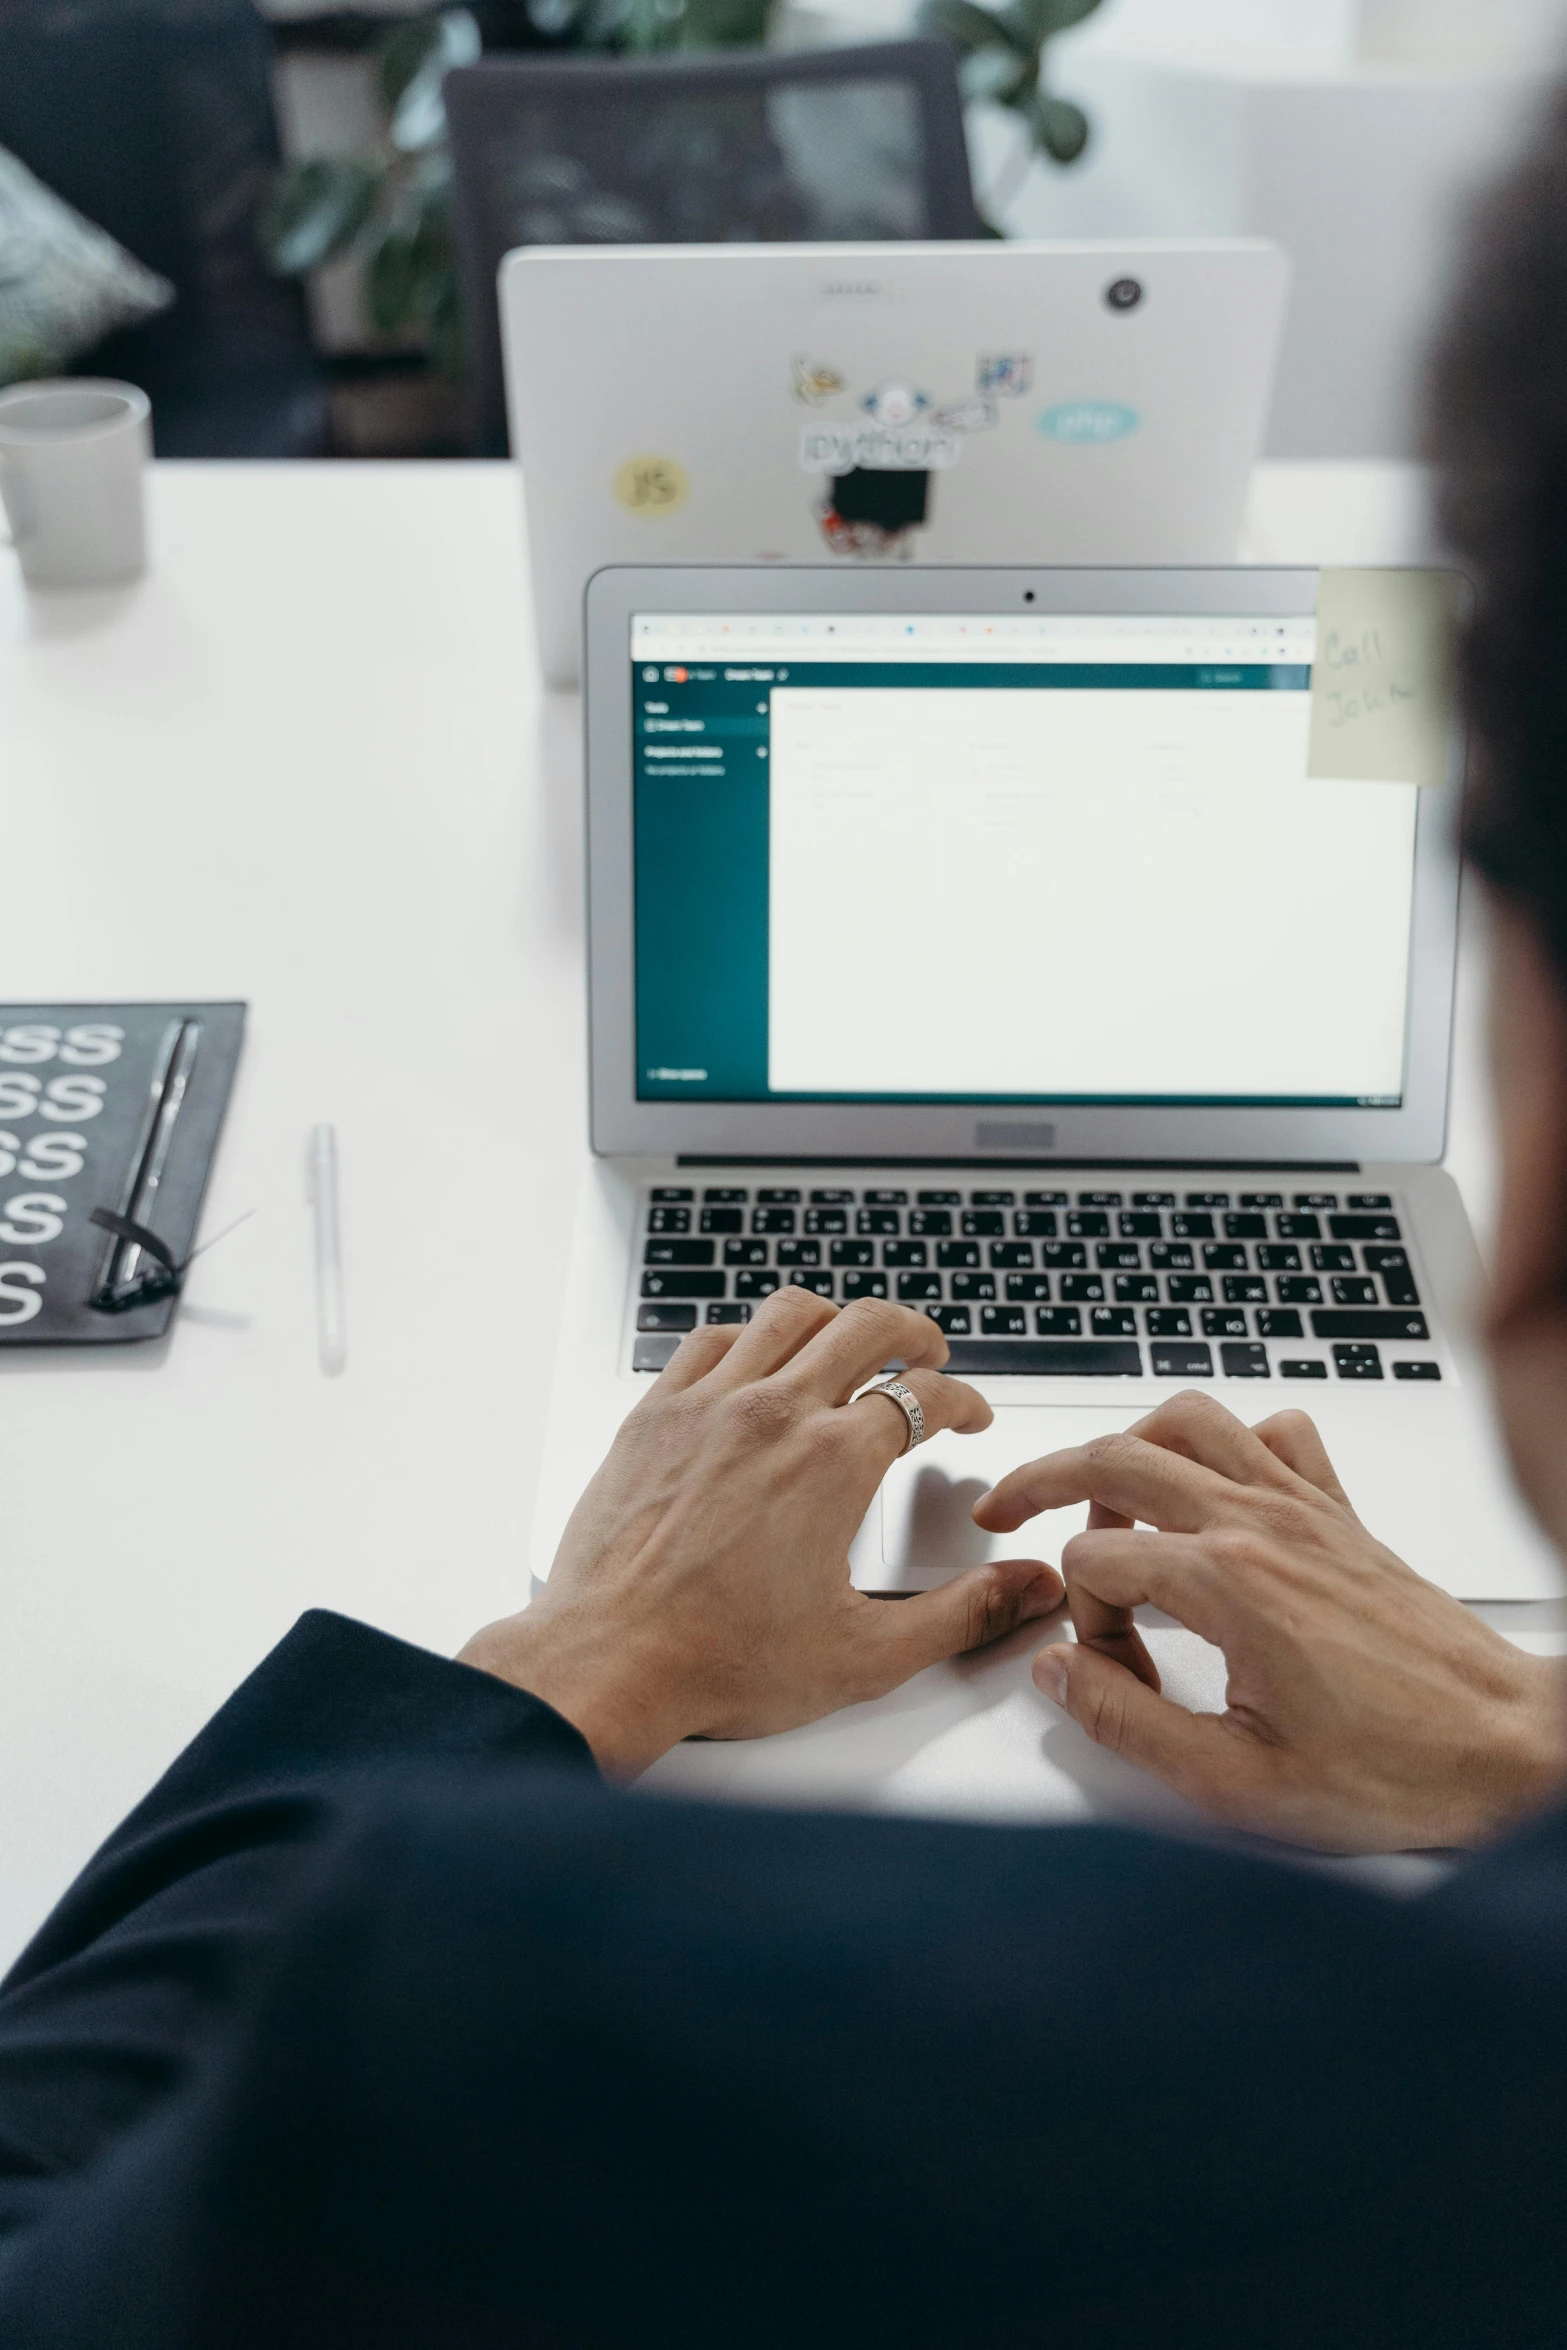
[[650, 485]]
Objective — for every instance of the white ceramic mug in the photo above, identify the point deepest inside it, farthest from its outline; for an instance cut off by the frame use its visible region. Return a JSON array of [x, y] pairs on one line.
[[71, 458]]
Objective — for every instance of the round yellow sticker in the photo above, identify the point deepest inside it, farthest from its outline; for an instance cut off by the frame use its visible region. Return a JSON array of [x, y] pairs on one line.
[[650, 485]]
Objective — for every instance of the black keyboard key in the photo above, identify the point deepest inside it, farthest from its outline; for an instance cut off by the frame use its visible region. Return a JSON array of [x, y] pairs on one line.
[[1011, 1256], [1364, 1322], [1153, 1199], [678, 1282], [742, 1252], [886, 1199], [1003, 1322], [1357, 1362], [1028, 1288], [1225, 1322], [1207, 1199], [772, 1219], [1088, 1224], [1058, 1322], [779, 1199], [1298, 1227], [651, 1354], [1303, 1367], [1245, 1362], [721, 1220], [1035, 1224], [1224, 1256], [1176, 1256], [1135, 1289], [914, 1286], [1168, 1322], [1298, 1290], [1068, 1255], [1191, 1227], [1045, 1358], [666, 1317], [1353, 1289], [951, 1254], [1044, 1199], [832, 1199], [1279, 1322], [1367, 1200], [671, 1193], [1274, 1259], [931, 1223], [827, 1220], [723, 1196], [1113, 1322], [1245, 1227], [808, 1277], [984, 1223], [799, 1252], [1139, 1224], [972, 1287], [992, 1199], [1081, 1288], [1426, 1370], [939, 1199], [863, 1285], [1364, 1228], [1400, 1287], [1188, 1289], [955, 1320], [1378, 1259], [678, 1252], [669, 1220], [1262, 1199], [852, 1252], [728, 1310], [876, 1220], [1243, 1289], [1123, 1255], [1099, 1199], [1332, 1259], [904, 1255], [1181, 1362], [756, 1284], [1316, 1199]]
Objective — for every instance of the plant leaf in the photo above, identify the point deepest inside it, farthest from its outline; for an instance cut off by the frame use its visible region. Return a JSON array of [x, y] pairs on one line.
[[994, 77], [315, 210], [414, 61], [971, 27], [1041, 20], [1060, 127]]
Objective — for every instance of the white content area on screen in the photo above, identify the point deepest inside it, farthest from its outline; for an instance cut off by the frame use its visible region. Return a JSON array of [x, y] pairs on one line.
[[998, 891]]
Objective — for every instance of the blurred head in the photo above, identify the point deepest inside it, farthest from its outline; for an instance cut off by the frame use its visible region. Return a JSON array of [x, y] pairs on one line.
[[1499, 437]]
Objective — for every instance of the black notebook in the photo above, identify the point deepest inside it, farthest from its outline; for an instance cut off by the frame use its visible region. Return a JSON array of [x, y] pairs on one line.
[[109, 1116]]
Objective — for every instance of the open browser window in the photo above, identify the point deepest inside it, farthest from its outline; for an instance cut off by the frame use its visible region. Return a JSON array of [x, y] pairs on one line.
[[1063, 858]]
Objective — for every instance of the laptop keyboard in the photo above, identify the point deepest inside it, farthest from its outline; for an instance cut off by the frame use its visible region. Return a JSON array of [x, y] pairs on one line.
[[1058, 1283]]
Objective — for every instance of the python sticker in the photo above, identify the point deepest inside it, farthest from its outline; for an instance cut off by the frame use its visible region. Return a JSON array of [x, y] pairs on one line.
[[650, 485], [897, 436], [1089, 423]]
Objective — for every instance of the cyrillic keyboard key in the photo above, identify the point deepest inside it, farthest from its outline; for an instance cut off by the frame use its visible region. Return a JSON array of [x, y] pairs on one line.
[[1262, 1199], [721, 1220], [1245, 1227], [1332, 1259], [1364, 1323], [1153, 1199], [778, 1199], [721, 1195], [984, 1223], [1003, 1322], [651, 1354], [669, 1220], [756, 1284], [1278, 1322], [1188, 1289], [728, 1310], [992, 1199], [1088, 1224], [804, 1277], [1298, 1227], [904, 1255], [1035, 1224], [877, 1220], [930, 1223], [1191, 1227], [1011, 1256], [1224, 1322], [666, 1317], [743, 1252], [972, 1287], [1045, 1358], [1181, 1362], [958, 1255], [954, 1320], [670, 1192], [1224, 1256], [1139, 1224], [1400, 1287], [1030, 1288], [864, 1285], [772, 1219], [939, 1199], [832, 1199], [1245, 1362], [1135, 1289], [1298, 1289], [1177, 1255], [1316, 1199], [1113, 1322], [1273, 1259], [1426, 1370], [1099, 1199], [1058, 1321], [826, 1219], [1207, 1199], [914, 1286], [677, 1282], [1243, 1289], [1044, 1199], [1112, 1253], [1353, 1289], [1081, 1288], [852, 1252], [886, 1199], [1369, 1199], [1168, 1322], [1066, 1254], [799, 1252]]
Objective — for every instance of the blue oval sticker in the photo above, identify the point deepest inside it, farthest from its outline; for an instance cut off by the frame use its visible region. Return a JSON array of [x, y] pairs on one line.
[[1091, 421]]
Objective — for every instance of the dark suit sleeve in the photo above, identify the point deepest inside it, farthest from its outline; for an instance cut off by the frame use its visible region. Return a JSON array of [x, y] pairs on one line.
[[147, 1953]]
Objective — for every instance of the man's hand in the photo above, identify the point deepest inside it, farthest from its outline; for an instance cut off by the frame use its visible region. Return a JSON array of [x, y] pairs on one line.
[[702, 1586], [1367, 1711]]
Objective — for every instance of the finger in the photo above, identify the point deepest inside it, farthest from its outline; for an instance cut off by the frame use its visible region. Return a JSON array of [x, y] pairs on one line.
[[1293, 1437], [861, 1341], [1110, 1573], [882, 1425], [1111, 1629], [1194, 1753], [699, 1352], [971, 1611], [779, 1328], [1199, 1427], [1125, 1474]]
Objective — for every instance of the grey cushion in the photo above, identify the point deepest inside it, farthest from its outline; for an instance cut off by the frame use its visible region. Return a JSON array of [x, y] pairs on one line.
[[64, 284]]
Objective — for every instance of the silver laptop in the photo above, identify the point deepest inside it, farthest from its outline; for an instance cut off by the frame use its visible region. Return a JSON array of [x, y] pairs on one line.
[[1068, 954], [951, 403]]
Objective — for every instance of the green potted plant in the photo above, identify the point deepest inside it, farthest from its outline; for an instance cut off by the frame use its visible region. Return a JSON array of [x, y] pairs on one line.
[[1003, 59]]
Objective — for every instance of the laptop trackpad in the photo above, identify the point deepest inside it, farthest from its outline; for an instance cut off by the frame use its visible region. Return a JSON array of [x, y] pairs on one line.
[[927, 1530]]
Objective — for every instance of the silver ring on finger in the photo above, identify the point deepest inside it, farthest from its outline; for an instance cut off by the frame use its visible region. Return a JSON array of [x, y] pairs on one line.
[[908, 1404]]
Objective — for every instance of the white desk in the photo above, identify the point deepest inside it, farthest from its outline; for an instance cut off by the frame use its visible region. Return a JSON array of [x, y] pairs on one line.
[[308, 763]]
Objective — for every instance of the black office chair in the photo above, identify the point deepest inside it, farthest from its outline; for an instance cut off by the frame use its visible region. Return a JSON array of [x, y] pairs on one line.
[[154, 118], [826, 145]]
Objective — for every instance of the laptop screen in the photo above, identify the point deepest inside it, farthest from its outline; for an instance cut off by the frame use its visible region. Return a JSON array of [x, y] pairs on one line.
[[959, 859]]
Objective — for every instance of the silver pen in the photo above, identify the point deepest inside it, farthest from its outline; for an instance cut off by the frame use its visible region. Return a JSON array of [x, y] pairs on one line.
[[321, 1187]]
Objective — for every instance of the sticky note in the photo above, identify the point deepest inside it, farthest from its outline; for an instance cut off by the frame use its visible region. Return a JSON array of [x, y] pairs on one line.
[[1383, 679]]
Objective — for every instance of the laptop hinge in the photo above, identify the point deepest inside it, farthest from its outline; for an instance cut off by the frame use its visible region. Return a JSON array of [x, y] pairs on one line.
[[959, 1159]]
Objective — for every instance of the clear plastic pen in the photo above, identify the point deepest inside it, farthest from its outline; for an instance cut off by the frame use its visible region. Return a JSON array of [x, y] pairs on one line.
[[321, 1186]]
